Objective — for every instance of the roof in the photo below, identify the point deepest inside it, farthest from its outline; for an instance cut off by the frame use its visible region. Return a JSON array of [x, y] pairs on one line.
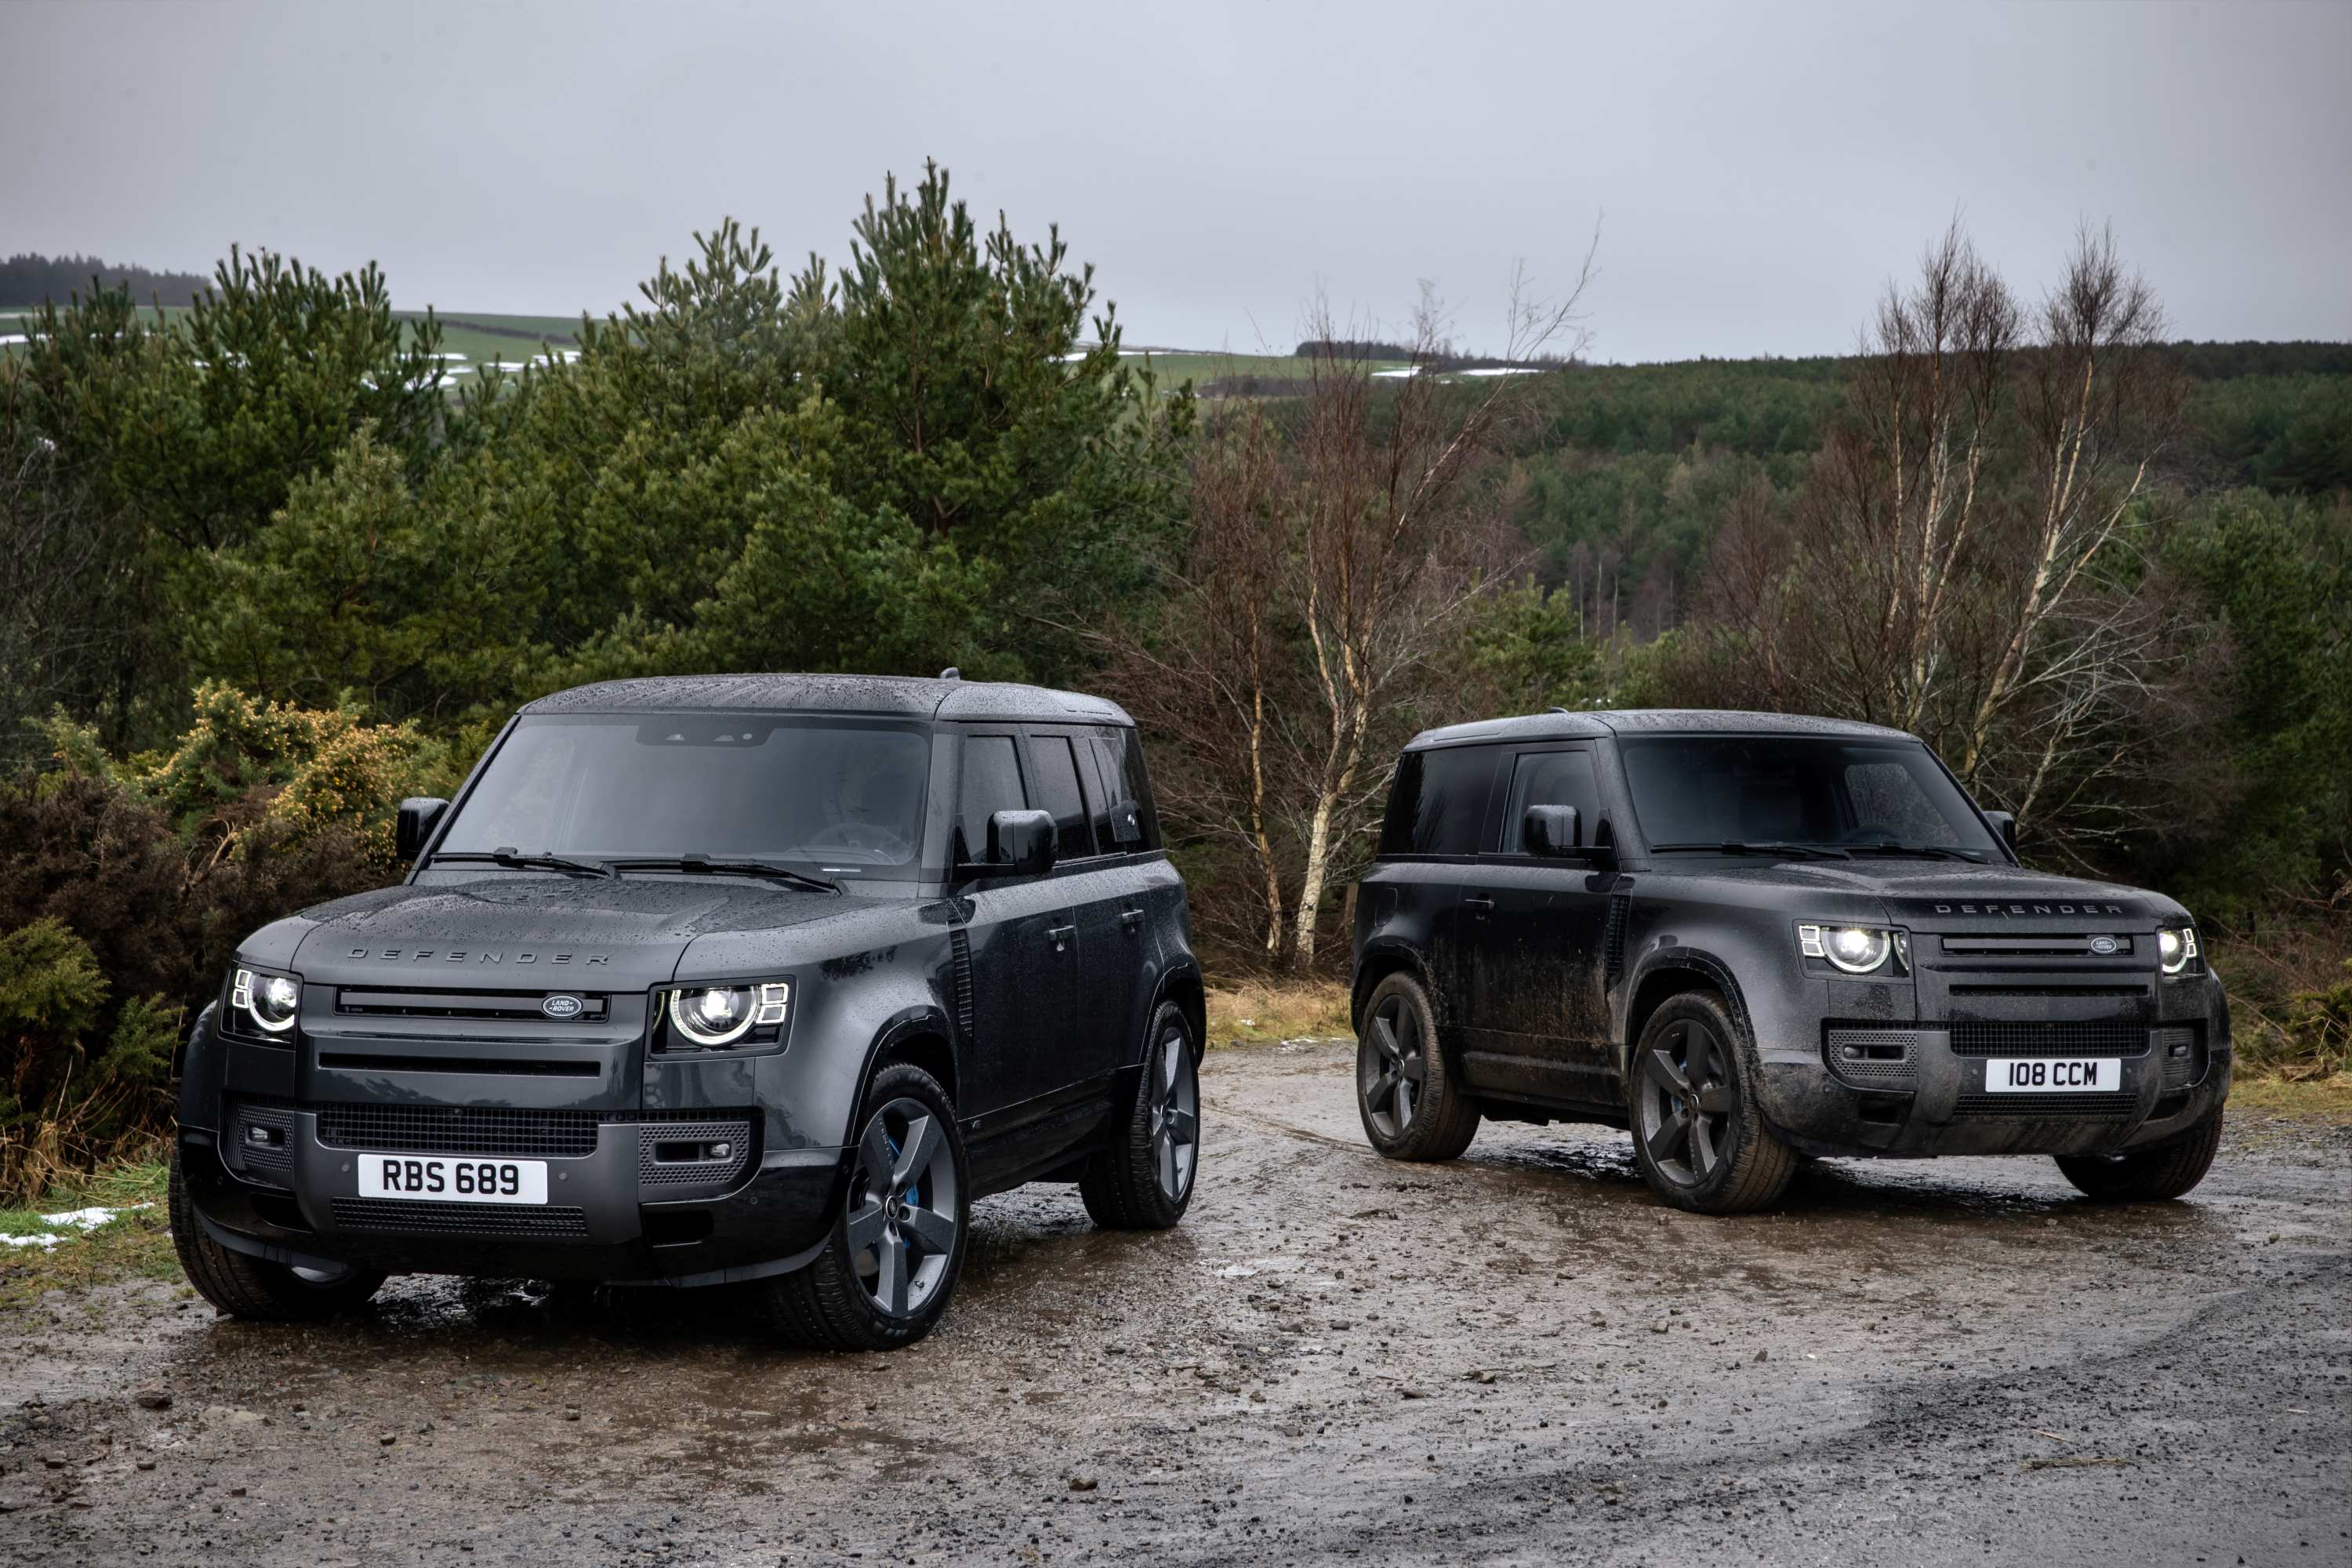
[[899, 695], [1648, 721]]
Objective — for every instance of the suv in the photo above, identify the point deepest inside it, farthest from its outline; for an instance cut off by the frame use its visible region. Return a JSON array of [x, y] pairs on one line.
[[1749, 939], [750, 978]]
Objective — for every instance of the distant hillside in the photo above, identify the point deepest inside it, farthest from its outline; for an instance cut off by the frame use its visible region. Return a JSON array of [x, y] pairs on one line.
[[29, 278]]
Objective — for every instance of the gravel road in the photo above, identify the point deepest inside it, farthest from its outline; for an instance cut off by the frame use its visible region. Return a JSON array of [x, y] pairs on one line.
[[1515, 1358]]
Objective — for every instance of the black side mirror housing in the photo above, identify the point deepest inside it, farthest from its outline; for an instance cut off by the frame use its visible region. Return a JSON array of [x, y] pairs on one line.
[[1551, 831], [2005, 823], [1019, 844], [419, 816]]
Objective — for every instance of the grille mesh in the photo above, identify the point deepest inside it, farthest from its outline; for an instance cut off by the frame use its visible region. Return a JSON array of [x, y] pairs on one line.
[[2186, 1067], [2045, 1037], [2120, 1105], [461, 1130], [464, 1219], [1868, 1057], [271, 1162], [654, 1172]]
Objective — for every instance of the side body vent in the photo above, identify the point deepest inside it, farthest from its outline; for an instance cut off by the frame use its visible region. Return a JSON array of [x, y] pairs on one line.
[[1612, 937], [960, 979]]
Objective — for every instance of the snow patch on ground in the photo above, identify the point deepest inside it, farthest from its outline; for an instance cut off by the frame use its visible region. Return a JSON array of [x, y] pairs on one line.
[[83, 1220]]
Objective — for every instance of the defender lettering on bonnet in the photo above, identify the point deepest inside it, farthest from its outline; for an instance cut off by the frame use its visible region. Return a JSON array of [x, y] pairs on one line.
[[463, 955]]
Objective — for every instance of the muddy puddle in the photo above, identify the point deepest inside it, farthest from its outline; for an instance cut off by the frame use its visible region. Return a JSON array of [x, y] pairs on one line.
[[1516, 1357]]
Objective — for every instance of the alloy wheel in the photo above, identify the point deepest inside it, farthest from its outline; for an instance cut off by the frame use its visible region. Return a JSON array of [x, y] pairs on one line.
[[1393, 1067], [1686, 1100], [902, 1208], [1175, 1115]]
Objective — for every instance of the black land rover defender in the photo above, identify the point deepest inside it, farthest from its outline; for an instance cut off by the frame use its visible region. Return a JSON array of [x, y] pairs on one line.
[[1749, 937], [747, 978]]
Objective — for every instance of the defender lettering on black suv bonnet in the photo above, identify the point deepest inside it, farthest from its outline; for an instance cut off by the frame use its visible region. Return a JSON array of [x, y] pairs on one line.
[[735, 978], [1747, 937]]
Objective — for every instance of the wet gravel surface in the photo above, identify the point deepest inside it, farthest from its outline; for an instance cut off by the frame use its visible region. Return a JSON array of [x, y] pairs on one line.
[[1513, 1358]]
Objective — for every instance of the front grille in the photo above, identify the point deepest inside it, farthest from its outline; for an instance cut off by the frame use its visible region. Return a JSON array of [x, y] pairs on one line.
[[462, 1130], [669, 1153], [511, 1006], [271, 1158], [460, 1219], [1874, 1057], [2123, 1105], [2007, 944], [2047, 1038]]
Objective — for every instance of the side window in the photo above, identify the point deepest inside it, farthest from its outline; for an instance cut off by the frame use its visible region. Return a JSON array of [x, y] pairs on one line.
[[1438, 803], [1059, 792], [992, 783], [1124, 821], [1551, 778]]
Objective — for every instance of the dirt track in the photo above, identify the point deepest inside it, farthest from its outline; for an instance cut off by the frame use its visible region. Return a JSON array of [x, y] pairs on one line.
[[1517, 1357]]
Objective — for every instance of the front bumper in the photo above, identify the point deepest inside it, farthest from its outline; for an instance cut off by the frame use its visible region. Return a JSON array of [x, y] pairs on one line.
[[1943, 1106], [609, 1216]]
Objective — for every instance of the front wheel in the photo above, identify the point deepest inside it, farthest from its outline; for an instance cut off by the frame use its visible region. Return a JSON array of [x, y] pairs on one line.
[[1697, 1136], [2149, 1177], [255, 1289], [1144, 1180], [890, 1265]]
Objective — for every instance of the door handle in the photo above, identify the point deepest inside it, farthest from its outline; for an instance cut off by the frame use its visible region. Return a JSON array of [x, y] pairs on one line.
[[1131, 919], [1062, 935], [1479, 902]]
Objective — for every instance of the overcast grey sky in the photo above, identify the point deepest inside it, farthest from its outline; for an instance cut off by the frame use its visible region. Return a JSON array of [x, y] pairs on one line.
[[1758, 170]]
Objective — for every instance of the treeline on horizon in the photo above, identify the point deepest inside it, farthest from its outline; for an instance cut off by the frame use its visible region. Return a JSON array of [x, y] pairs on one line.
[[31, 278], [264, 574]]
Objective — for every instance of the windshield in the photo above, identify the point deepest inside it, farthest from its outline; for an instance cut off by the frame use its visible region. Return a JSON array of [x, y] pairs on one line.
[[1799, 789], [843, 796]]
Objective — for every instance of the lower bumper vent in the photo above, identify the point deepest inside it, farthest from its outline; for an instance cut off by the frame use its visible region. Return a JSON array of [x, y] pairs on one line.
[[263, 1136], [2181, 1049], [2119, 1107], [1874, 1058], [681, 1153], [2002, 1038], [459, 1219]]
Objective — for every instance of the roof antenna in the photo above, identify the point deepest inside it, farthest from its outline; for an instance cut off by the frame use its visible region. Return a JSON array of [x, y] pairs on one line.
[[951, 673]]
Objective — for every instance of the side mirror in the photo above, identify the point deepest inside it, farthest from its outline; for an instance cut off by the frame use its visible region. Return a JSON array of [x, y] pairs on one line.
[[1019, 844], [2005, 823], [1551, 831], [419, 816]]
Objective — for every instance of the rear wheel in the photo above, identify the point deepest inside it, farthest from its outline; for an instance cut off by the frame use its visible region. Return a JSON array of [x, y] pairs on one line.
[[1697, 1133], [892, 1263], [1411, 1106], [255, 1289], [1144, 1181], [2149, 1177]]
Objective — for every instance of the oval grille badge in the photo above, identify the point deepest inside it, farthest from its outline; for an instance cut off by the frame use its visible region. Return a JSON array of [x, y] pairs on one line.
[[562, 1007], [2102, 944]]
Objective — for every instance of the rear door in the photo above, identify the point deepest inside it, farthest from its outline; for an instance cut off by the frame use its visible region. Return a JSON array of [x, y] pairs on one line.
[[1534, 1006], [1091, 889]]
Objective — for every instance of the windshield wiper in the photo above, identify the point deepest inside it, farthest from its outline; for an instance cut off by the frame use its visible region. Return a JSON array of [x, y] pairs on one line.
[[1739, 846], [1925, 851], [704, 863], [515, 860]]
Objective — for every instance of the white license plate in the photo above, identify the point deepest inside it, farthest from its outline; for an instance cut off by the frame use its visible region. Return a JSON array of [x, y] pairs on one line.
[[452, 1179], [2052, 1075]]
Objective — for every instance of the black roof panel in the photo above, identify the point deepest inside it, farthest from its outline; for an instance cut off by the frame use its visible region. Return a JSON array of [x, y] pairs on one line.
[[1649, 720], [904, 696]]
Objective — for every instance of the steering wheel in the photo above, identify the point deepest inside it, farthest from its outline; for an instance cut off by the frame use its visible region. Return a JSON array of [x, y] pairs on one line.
[[870, 838]]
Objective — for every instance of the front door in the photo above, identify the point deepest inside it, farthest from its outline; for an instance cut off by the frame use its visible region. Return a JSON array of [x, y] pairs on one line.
[[1024, 952], [1534, 1010]]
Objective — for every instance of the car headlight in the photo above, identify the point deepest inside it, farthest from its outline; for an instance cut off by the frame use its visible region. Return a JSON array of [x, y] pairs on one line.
[[271, 1001], [2176, 949], [723, 1015], [1857, 950]]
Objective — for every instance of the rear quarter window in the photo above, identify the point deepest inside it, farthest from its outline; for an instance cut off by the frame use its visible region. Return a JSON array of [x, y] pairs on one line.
[[1438, 803]]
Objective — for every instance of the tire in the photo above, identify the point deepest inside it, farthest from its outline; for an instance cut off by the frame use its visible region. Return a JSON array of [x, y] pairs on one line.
[[1412, 1108], [896, 1247], [2150, 1177], [255, 1289], [1698, 1135], [1144, 1181]]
